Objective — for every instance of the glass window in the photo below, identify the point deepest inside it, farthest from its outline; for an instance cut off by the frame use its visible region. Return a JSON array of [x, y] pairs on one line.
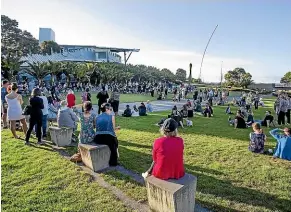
[[102, 55]]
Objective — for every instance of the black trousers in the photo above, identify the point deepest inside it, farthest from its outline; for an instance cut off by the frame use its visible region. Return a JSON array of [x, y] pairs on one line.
[[32, 122], [112, 143], [281, 118], [256, 105], [288, 116]]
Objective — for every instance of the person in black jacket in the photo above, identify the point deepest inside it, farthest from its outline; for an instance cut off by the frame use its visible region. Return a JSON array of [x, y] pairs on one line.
[[102, 97], [36, 104]]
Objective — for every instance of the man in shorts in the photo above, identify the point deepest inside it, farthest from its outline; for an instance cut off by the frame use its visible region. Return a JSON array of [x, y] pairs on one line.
[[4, 105]]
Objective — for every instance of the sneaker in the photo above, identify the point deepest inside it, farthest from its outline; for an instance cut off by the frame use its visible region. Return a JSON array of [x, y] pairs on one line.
[[145, 175], [40, 143]]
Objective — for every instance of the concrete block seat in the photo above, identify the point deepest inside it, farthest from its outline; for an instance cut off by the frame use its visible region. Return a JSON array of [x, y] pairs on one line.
[[172, 195], [61, 136], [96, 157]]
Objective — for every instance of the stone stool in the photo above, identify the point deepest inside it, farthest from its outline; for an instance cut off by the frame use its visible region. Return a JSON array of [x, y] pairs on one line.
[[171, 195], [61, 136]]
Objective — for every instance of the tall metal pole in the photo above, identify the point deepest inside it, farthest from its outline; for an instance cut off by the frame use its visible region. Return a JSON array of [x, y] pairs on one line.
[[205, 50]]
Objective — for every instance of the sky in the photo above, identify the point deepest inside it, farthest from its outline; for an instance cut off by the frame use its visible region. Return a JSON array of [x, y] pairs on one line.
[[252, 34]]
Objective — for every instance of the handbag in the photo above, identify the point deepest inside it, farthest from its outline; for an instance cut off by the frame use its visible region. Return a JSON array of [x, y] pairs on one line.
[[27, 110]]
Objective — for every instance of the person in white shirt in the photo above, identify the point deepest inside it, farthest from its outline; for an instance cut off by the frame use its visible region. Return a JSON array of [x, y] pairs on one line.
[[44, 115]]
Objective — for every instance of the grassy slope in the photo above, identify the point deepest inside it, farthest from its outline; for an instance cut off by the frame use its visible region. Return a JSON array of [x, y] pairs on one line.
[[38, 179], [229, 176]]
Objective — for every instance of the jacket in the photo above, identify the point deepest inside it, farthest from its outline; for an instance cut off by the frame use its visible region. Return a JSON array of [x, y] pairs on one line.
[[66, 118]]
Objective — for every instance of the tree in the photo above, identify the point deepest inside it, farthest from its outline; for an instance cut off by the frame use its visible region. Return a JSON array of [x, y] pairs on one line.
[[15, 43], [49, 47], [238, 77], [38, 70], [168, 75], [181, 74], [286, 78]]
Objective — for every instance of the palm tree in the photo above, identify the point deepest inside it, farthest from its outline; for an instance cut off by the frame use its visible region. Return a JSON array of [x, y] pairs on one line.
[[54, 68], [38, 70], [11, 68]]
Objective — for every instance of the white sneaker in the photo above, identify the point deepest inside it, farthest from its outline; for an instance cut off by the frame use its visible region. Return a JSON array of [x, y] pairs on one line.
[[145, 175]]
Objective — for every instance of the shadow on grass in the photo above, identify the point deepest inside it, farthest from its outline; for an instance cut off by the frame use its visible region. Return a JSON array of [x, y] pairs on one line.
[[207, 184]]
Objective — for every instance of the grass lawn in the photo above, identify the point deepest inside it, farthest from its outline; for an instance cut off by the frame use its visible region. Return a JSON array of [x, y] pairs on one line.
[[37, 179], [230, 178]]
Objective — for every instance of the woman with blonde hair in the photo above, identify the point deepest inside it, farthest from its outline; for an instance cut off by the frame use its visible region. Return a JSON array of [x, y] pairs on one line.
[[14, 110], [257, 139], [167, 153]]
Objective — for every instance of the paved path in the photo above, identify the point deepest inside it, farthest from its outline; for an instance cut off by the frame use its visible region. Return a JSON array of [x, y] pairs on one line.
[[159, 105]]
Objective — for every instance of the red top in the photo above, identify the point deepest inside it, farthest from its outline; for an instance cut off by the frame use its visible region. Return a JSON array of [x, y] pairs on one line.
[[168, 157], [71, 100]]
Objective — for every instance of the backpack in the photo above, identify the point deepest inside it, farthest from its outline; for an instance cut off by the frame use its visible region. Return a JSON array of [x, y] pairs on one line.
[[257, 142]]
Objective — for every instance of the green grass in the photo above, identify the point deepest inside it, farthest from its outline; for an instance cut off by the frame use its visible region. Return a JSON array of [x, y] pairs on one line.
[[230, 178], [38, 179]]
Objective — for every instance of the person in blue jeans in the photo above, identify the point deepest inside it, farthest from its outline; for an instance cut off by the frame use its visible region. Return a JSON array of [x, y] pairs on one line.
[[283, 148]]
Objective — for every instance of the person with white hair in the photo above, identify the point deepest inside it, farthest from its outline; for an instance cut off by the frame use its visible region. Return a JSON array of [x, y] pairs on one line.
[[66, 117], [71, 99]]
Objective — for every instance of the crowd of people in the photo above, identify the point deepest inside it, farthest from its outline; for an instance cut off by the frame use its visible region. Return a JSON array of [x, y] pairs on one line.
[[45, 105]]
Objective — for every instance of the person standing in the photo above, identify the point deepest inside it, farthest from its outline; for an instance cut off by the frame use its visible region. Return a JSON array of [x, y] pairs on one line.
[[283, 107], [102, 97], [288, 99], [4, 105], [44, 115], [115, 100], [14, 110], [36, 104], [71, 99]]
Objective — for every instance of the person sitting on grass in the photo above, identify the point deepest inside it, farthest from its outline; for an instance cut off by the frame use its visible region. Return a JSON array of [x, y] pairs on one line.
[[250, 119], [177, 116], [243, 112], [149, 106], [142, 110], [167, 153], [228, 110], [268, 119], [52, 110], [208, 112], [283, 147], [238, 121], [257, 139], [197, 106], [127, 112], [184, 111]]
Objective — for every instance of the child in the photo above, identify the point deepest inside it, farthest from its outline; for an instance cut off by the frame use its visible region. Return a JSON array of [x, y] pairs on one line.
[[127, 112], [257, 139], [149, 106]]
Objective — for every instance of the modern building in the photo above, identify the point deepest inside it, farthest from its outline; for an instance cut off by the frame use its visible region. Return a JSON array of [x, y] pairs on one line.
[[75, 53], [46, 34]]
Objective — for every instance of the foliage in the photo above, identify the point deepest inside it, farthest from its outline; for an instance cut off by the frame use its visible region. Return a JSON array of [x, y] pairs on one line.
[[286, 78], [15, 43], [181, 74], [49, 47], [238, 77], [38, 70]]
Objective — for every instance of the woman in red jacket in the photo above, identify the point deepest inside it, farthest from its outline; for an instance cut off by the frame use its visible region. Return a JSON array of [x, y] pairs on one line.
[[71, 99], [168, 154]]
